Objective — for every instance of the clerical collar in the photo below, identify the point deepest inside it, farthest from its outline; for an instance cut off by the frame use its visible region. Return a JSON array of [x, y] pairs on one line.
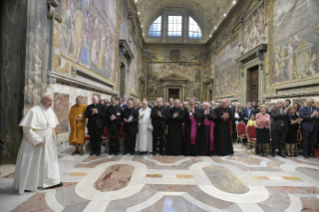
[[42, 106]]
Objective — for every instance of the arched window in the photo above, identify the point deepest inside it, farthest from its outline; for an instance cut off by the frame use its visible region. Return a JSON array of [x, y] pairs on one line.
[[175, 26], [156, 28], [194, 31]]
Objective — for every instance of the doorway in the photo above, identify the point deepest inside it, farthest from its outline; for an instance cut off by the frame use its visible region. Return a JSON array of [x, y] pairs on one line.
[[174, 93], [254, 83]]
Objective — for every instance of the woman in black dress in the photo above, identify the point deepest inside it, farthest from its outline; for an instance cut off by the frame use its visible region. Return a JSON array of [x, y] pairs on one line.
[[292, 132], [262, 129]]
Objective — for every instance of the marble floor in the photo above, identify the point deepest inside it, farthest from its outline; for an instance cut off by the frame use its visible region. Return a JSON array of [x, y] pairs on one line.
[[243, 182]]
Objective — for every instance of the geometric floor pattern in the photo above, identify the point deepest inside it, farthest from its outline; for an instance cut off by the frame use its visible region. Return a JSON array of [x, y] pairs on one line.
[[242, 182]]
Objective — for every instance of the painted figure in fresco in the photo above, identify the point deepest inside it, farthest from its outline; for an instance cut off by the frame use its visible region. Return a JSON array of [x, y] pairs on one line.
[[85, 48], [276, 64], [313, 68], [77, 37], [282, 63], [260, 18], [290, 61]]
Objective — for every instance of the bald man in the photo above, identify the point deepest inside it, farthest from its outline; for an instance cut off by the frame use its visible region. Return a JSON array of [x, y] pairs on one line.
[[95, 112], [223, 144], [37, 161]]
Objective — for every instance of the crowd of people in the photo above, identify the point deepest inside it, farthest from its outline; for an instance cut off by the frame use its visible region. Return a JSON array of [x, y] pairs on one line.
[[194, 128]]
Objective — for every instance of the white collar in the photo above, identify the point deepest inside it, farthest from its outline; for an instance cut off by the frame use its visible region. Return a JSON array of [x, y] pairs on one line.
[[44, 108]]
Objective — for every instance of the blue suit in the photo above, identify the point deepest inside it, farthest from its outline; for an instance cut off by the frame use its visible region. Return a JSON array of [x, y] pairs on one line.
[[309, 127], [246, 114]]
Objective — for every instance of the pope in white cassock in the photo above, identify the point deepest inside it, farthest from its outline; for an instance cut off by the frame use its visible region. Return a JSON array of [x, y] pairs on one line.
[[144, 137], [37, 162]]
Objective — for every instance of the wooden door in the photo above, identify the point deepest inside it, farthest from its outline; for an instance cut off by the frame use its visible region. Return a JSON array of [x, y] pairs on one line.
[[173, 93], [254, 85]]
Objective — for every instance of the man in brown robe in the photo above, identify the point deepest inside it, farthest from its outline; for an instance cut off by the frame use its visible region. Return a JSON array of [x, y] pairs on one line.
[[77, 122]]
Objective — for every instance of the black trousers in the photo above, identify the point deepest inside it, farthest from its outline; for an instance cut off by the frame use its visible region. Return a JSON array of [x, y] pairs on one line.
[[308, 140], [114, 145], [278, 137], [158, 131], [96, 139], [129, 141]]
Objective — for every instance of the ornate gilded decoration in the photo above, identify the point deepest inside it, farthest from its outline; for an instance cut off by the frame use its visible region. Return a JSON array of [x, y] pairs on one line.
[[175, 54]]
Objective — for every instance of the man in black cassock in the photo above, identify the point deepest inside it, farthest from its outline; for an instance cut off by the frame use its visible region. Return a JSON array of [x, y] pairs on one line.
[[223, 142], [96, 115], [175, 129], [158, 116], [206, 141], [191, 134], [113, 117], [130, 119]]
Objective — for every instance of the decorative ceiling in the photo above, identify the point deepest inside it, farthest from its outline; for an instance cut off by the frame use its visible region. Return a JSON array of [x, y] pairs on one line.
[[209, 11]]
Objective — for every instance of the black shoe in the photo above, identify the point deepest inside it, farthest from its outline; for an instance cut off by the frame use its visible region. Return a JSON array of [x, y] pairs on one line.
[[261, 154], [92, 153], [148, 153], [57, 185], [27, 191], [162, 153], [273, 154], [132, 152], [154, 153], [264, 154], [282, 155], [125, 152], [98, 154], [116, 153]]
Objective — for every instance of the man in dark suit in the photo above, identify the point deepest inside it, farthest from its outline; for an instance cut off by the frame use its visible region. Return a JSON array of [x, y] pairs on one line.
[[113, 117], [158, 116], [130, 119], [279, 126], [247, 111], [96, 115], [309, 127]]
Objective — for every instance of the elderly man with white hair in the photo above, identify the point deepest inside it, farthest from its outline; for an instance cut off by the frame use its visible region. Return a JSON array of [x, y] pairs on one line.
[[206, 141], [309, 127], [223, 144], [37, 161], [158, 116], [279, 126]]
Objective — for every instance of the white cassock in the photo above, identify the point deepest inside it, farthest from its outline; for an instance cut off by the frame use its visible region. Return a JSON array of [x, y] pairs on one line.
[[144, 139], [37, 166]]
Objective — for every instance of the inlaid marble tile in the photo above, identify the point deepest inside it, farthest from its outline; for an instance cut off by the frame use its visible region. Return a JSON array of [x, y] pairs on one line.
[[67, 197], [184, 176], [94, 164], [310, 172], [310, 204], [114, 178], [78, 174], [9, 175], [69, 150], [167, 159], [173, 203], [94, 157], [146, 192], [291, 178], [171, 188], [260, 177], [35, 203], [154, 175], [225, 180]]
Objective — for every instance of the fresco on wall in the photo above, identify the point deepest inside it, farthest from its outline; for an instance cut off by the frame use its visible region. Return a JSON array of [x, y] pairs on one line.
[[88, 34], [156, 71], [211, 66], [255, 31], [226, 73], [124, 25], [295, 40], [133, 75], [61, 109]]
